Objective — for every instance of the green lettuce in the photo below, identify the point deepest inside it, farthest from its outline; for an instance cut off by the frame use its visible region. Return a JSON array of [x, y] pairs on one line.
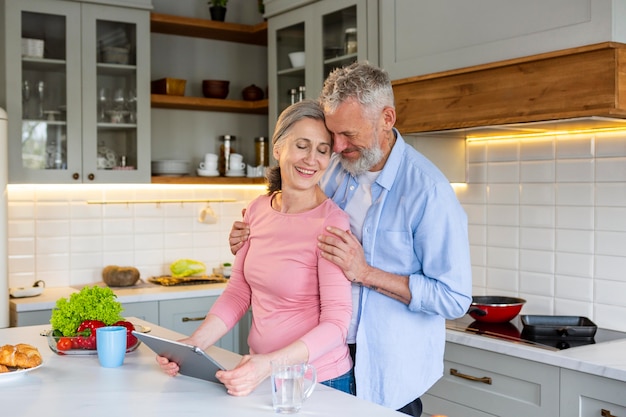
[[186, 267], [90, 303]]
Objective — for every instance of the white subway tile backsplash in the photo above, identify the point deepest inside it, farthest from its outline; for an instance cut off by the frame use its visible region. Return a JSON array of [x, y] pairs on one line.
[[502, 258], [113, 226], [86, 227], [610, 194], [611, 218], [539, 149], [503, 280], [503, 236], [574, 264], [610, 144], [537, 216], [537, 238], [477, 173], [17, 246], [537, 171], [477, 234], [52, 227], [574, 170], [610, 267], [610, 243], [503, 215], [503, 194], [577, 241], [52, 245], [478, 254], [86, 244], [609, 292], [575, 147], [569, 307], [570, 217], [536, 283], [20, 265], [471, 194], [476, 214], [575, 194], [21, 228], [503, 150], [609, 316], [111, 243], [479, 279], [536, 261], [503, 172], [21, 210], [611, 170], [537, 194], [476, 151]]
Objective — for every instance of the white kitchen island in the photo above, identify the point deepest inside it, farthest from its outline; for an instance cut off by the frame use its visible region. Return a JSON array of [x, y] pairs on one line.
[[79, 386]]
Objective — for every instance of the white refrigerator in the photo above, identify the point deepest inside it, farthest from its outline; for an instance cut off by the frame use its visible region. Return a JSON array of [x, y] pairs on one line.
[[4, 267]]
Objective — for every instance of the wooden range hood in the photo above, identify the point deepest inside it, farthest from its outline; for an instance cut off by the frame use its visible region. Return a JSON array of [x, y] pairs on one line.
[[585, 86]]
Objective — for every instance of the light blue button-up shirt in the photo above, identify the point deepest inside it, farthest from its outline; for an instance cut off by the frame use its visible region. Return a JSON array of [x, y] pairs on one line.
[[415, 227]]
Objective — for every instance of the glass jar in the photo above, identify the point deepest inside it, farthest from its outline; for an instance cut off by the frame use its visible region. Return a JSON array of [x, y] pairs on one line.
[[350, 43], [226, 148], [262, 153]]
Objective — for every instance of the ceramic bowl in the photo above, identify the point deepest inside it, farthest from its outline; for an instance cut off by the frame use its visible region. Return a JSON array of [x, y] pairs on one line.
[[252, 93], [215, 88], [297, 59]]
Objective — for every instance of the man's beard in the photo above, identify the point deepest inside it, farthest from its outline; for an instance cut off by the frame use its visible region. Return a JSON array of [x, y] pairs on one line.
[[369, 158]]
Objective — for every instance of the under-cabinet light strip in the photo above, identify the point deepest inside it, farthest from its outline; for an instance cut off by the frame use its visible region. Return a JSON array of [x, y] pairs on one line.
[[544, 134], [199, 200]]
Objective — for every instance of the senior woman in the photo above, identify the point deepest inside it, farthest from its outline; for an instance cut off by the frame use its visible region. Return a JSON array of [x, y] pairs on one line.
[[301, 303]]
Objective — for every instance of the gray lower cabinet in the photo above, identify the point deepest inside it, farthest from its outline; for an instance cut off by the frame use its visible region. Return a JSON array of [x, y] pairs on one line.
[[482, 383], [584, 395], [146, 310], [185, 315]]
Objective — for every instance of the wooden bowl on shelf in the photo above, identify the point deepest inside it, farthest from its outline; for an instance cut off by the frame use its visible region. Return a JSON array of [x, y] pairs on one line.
[[215, 88]]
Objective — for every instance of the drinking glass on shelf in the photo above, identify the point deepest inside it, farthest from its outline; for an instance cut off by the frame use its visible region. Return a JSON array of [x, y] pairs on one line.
[[40, 91], [119, 100], [103, 103], [25, 98], [132, 105]]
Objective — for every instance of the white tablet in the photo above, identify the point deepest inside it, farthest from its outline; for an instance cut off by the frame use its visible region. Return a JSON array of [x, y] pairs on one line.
[[191, 360]]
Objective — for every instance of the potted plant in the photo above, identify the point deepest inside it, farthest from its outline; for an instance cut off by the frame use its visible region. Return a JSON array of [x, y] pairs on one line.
[[218, 9]]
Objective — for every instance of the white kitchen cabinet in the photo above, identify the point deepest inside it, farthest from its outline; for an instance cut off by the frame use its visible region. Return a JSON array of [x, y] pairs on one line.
[[185, 315], [482, 383], [424, 37], [78, 106], [318, 29], [584, 395]]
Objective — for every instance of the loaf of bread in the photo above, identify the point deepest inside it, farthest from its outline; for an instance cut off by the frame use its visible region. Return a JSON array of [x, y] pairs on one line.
[[21, 355]]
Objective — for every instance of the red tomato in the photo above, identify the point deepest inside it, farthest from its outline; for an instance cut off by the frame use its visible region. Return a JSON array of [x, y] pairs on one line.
[[64, 343]]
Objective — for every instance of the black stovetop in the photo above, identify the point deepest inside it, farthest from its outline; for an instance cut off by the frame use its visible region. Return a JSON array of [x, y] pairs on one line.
[[513, 331]]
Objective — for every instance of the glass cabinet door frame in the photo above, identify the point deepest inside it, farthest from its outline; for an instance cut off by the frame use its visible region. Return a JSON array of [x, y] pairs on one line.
[[13, 75], [91, 14]]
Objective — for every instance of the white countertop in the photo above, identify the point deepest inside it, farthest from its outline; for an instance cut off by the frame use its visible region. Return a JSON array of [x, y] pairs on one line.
[[77, 385]]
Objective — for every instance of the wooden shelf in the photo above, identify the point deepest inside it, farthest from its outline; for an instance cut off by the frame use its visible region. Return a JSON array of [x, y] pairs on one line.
[[208, 104], [209, 29], [207, 180]]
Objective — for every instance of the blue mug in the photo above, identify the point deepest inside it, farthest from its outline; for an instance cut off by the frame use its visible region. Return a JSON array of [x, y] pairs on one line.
[[111, 345]]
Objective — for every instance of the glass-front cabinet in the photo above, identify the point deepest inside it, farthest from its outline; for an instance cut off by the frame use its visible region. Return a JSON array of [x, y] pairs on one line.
[[76, 88], [307, 43]]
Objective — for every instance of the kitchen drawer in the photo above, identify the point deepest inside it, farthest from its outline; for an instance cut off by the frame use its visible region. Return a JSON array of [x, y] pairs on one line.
[[504, 386], [433, 406], [585, 395], [185, 316]]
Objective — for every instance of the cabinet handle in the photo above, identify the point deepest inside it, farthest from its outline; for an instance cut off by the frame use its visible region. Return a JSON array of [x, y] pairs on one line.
[[606, 413], [75, 176], [91, 177], [186, 319], [484, 379]]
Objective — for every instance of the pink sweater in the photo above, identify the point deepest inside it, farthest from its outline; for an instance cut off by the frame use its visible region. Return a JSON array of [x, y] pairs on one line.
[[294, 292]]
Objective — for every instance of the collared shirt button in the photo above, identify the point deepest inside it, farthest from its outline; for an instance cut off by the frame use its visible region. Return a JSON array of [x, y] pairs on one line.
[[351, 187]]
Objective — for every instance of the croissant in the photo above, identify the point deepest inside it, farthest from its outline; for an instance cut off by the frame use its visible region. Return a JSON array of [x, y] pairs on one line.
[[3, 369], [21, 355]]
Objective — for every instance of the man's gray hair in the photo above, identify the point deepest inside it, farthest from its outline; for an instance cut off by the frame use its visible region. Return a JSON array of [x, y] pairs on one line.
[[368, 84]]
